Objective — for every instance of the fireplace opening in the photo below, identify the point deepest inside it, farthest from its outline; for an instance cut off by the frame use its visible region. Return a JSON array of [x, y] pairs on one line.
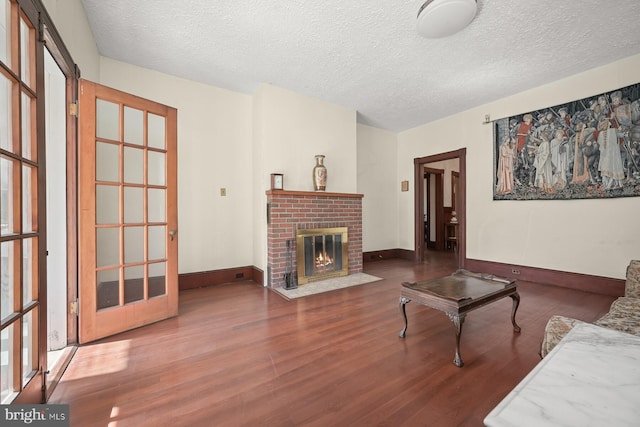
[[322, 253]]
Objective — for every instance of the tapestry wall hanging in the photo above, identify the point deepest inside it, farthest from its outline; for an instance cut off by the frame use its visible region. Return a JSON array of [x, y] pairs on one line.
[[584, 149]]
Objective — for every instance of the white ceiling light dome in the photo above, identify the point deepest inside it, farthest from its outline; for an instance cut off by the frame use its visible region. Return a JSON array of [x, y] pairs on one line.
[[441, 18]]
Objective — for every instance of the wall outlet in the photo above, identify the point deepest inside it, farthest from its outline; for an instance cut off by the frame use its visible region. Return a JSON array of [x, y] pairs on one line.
[[515, 271]]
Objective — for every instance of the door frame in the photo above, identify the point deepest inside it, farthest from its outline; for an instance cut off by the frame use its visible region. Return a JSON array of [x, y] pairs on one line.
[[418, 167], [53, 42], [56, 367]]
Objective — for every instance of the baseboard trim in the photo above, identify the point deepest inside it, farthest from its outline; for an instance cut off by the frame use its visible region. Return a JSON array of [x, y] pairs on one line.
[[218, 277], [582, 282], [374, 256]]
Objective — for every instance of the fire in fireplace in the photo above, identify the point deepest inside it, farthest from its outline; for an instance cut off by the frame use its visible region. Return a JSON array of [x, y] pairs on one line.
[[322, 253]]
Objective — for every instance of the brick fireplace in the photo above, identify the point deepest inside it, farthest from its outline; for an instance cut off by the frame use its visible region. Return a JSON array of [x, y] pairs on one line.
[[290, 211]]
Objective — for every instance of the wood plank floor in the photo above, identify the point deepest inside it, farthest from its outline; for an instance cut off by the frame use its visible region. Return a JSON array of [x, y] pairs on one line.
[[241, 355]]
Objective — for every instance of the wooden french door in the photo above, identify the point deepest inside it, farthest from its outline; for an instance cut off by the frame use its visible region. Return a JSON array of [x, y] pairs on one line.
[[128, 242], [22, 238]]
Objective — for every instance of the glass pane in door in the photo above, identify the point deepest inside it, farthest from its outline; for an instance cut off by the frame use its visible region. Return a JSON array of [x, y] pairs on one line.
[[107, 162], [27, 54], [133, 244], [133, 284], [157, 279], [29, 198], [156, 168], [156, 201], [29, 345], [9, 277], [7, 196], [107, 204], [133, 126], [107, 120], [133, 165], [6, 363], [29, 270], [133, 205], [156, 131], [6, 101], [29, 148], [107, 246], [5, 36], [108, 288], [157, 242]]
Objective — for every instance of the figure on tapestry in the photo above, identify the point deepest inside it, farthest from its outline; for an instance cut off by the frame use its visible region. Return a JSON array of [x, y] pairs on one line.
[[559, 159], [506, 165]]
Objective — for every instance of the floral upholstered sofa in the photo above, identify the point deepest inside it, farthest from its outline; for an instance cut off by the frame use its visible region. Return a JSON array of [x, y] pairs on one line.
[[624, 314]]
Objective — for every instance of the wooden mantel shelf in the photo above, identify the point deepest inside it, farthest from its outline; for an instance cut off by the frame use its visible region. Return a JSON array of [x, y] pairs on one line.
[[312, 193]]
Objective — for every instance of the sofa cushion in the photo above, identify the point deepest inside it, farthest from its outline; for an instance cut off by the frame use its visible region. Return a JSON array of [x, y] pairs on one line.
[[632, 286], [557, 327], [623, 316]]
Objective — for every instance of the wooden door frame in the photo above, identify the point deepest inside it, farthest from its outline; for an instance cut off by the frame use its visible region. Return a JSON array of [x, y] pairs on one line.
[[52, 41], [59, 52], [418, 167]]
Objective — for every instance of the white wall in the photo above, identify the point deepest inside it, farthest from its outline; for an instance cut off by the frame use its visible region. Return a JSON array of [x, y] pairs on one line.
[[289, 130], [73, 26], [214, 151], [294, 128], [379, 182], [596, 237]]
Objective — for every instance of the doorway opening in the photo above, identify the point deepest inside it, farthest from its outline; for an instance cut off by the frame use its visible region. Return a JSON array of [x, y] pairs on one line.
[[440, 204], [59, 323]]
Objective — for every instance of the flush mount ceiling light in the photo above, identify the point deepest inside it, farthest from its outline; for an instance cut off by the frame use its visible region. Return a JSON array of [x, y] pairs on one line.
[[441, 18]]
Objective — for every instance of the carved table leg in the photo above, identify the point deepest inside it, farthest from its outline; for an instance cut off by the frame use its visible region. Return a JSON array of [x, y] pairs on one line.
[[516, 302], [403, 302], [458, 320]]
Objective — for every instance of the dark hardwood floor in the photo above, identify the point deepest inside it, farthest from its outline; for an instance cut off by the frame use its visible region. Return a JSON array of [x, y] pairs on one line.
[[241, 355]]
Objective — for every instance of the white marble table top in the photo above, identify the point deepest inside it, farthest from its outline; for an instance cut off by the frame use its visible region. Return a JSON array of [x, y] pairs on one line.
[[591, 378]]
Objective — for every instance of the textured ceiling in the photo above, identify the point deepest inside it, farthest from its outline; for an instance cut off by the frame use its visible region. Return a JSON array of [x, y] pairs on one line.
[[366, 55]]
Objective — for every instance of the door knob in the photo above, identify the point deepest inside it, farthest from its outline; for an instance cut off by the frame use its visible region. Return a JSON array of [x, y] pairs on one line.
[[172, 233]]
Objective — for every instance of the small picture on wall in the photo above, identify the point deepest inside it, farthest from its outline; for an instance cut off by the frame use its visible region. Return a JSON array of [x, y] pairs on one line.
[[584, 149]]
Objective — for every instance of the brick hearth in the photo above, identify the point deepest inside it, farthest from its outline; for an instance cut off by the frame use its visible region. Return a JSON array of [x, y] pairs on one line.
[[293, 210]]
